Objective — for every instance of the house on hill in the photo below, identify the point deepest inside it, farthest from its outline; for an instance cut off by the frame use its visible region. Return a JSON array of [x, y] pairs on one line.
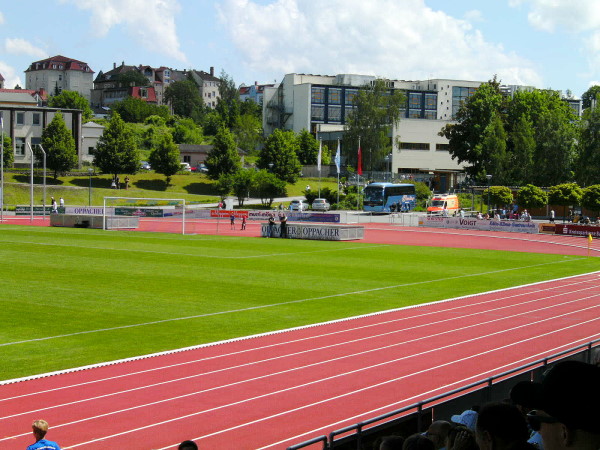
[[59, 73]]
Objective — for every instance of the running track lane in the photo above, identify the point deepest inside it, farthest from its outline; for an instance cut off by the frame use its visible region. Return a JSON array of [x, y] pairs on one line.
[[274, 390]]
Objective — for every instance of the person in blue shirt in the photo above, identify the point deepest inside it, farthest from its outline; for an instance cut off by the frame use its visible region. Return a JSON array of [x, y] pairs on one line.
[[40, 428]]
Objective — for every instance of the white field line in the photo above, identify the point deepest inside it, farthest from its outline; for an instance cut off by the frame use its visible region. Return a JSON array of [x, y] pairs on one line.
[[346, 394], [328, 334], [551, 318], [290, 302], [272, 332]]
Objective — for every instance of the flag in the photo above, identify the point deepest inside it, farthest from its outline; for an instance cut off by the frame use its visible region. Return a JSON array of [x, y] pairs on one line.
[[359, 165], [319, 157], [337, 158], [590, 238]]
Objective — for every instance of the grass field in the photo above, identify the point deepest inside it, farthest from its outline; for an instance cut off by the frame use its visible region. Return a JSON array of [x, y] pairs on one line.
[[73, 297]]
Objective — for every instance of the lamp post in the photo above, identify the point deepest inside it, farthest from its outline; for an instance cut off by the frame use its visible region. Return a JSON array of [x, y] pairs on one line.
[[388, 158], [489, 178], [90, 172]]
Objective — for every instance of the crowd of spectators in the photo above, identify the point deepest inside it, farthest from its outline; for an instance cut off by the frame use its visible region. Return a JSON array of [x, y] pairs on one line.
[[560, 413]]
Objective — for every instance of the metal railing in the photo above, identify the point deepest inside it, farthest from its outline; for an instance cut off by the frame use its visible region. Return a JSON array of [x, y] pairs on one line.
[[358, 430]]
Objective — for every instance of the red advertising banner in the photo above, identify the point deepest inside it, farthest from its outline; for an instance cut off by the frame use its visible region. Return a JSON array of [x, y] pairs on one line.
[[226, 213], [577, 230]]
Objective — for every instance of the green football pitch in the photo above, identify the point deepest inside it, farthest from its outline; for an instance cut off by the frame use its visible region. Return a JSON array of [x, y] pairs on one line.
[[72, 297]]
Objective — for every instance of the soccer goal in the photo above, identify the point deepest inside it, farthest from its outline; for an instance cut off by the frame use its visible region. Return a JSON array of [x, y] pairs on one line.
[[146, 214]]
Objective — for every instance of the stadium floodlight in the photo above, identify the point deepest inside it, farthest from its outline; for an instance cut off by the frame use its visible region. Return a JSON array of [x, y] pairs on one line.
[[164, 213]]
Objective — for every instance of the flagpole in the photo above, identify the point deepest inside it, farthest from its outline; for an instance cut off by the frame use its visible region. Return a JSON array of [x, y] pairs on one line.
[[2, 171], [337, 165], [358, 172], [319, 164]]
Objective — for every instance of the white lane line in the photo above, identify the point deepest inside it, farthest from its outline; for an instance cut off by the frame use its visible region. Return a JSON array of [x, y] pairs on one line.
[[290, 302], [155, 424], [320, 363]]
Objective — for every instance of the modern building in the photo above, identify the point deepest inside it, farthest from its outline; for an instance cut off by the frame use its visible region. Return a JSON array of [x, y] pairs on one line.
[[24, 119], [58, 74]]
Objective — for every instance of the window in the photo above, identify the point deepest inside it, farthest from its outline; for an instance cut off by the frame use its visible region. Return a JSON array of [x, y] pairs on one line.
[[459, 95], [351, 96], [35, 142], [442, 147], [430, 101], [318, 95], [35, 118], [318, 113], [335, 96], [20, 118], [187, 159], [334, 114], [91, 150], [414, 100], [430, 115], [414, 113], [19, 146], [414, 146]]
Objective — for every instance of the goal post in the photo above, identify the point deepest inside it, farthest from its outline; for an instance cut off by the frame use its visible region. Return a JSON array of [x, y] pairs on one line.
[[155, 214]]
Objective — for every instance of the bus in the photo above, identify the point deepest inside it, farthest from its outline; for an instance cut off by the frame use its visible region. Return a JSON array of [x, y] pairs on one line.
[[389, 197]]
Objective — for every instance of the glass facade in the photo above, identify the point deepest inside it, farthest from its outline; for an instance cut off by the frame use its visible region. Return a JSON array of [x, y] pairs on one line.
[[459, 95]]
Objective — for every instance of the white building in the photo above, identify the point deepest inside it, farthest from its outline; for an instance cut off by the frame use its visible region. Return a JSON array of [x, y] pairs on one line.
[[58, 74]]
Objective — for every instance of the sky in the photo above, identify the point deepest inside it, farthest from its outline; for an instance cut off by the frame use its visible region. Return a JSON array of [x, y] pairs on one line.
[[542, 43]]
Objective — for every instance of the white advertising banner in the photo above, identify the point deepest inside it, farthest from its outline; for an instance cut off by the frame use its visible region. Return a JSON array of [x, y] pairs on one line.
[[471, 223]]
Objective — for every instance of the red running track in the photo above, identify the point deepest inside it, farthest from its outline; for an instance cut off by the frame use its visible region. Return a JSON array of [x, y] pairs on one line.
[[278, 389]]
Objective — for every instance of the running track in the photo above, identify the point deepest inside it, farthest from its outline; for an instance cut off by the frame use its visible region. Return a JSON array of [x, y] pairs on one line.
[[274, 390]]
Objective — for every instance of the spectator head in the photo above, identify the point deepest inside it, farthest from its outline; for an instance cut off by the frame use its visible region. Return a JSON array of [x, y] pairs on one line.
[[437, 432], [467, 418], [40, 428], [418, 442], [501, 426], [391, 443], [568, 413], [187, 445], [524, 395], [461, 437]]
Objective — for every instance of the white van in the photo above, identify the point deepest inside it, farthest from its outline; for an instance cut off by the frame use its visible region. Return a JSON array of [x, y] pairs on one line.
[[186, 167]]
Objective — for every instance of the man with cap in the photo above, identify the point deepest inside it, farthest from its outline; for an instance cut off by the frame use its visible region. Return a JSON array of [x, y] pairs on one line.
[[568, 414], [467, 418]]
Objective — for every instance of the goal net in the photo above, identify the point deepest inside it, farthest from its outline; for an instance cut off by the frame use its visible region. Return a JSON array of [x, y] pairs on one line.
[[144, 214]]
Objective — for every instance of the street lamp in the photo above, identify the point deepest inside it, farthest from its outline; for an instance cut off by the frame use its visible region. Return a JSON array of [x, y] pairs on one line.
[[489, 178], [389, 159], [90, 172]]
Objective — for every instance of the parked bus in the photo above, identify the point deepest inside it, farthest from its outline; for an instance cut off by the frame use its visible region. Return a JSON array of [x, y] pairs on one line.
[[389, 197]]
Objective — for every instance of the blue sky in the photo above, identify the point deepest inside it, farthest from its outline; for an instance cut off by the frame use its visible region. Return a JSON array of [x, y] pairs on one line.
[[544, 43]]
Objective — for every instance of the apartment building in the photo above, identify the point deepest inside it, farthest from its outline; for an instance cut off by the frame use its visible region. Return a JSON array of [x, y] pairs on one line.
[[58, 74], [254, 92]]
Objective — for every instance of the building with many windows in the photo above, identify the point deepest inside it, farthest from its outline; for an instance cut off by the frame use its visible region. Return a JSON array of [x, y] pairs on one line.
[[58, 74]]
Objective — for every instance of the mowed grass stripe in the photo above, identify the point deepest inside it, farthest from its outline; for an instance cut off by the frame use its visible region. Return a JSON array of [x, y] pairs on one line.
[[79, 284]]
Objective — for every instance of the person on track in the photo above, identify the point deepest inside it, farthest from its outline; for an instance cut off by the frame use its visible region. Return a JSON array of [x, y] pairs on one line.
[[40, 428]]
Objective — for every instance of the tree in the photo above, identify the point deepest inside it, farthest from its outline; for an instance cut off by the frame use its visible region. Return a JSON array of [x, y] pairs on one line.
[[278, 156], [223, 158], [165, 158], [498, 195], [136, 110], [566, 194], [268, 187], [376, 110], [187, 132], [472, 120], [590, 198], [224, 185], [116, 151], [308, 148], [58, 142], [132, 78], [228, 102], [248, 132], [588, 158], [9, 153], [521, 164], [531, 196], [184, 98], [589, 96], [242, 184], [494, 150], [72, 100]]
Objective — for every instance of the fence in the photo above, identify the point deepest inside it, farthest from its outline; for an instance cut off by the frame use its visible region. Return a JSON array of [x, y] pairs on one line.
[[412, 417]]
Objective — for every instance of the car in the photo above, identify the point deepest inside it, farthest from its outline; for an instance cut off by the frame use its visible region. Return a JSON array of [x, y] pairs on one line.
[[185, 167], [320, 204], [145, 165], [298, 205], [202, 168]]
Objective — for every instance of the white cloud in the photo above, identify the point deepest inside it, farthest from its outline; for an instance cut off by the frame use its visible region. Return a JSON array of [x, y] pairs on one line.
[[22, 47], [1, 18], [391, 38], [150, 22], [574, 16], [474, 15], [11, 79]]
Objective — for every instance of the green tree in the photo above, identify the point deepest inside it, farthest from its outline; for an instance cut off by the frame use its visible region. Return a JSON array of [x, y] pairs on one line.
[[132, 78], [223, 158], [58, 142], [566, 194], [267, 187], [153, 135], [186, 131], [495, 159], [278, 156], [228, 102], [72, 100], [467, 134], [590, 95], [590, 198], [588, 158], [242, 184], [9, 153], [308, 148], [248, 132], [224, 185], [521, 164], [136, 110], [498, 195], [251, 107], [165, 158], [184, 98], [212, 123], [117, 151], [531, 196], [376, 110]]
